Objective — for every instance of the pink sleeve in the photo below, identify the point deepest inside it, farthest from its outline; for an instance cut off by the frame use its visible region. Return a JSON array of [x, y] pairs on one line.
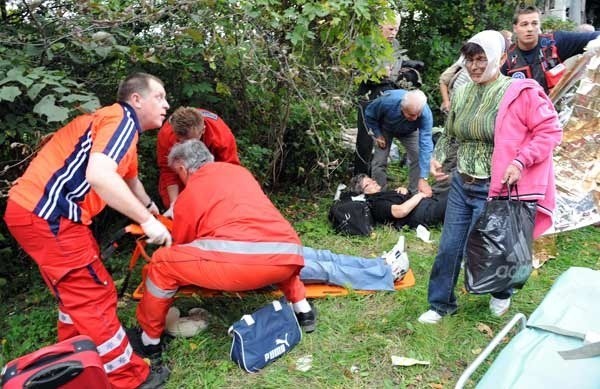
[[541, 120]]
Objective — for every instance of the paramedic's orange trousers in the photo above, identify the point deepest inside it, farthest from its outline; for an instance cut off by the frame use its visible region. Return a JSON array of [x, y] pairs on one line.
[[86, 294], [178, 266]]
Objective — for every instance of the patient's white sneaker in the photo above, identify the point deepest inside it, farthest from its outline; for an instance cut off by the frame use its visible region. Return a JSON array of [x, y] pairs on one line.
[[397, 259], [499, 306], [430, 317]]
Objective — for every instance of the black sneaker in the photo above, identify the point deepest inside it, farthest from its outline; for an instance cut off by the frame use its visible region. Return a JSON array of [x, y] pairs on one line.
[[157, 377], [152, 352], [308, 320]]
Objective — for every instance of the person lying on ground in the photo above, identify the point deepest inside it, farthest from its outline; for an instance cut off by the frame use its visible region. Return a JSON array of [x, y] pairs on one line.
[[324, 266], [190, 123], [399, 206]]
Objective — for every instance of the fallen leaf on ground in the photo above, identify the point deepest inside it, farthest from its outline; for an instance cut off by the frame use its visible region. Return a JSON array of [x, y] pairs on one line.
[[403, 361], [437, 386], [476, 351], [485, 329], [446, 374]]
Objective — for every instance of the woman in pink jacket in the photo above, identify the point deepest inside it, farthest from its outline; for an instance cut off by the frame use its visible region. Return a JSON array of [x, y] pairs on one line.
[[505, 130]]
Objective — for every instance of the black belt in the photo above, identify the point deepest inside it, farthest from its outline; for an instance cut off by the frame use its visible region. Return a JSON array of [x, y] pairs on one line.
[[467, 179]]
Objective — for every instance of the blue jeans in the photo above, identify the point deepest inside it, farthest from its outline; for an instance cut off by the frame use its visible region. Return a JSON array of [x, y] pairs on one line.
[[465, 204], [323, 266]]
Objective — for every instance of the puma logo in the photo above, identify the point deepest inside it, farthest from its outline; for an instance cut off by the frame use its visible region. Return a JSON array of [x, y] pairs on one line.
[[279, 349], [284, 341]]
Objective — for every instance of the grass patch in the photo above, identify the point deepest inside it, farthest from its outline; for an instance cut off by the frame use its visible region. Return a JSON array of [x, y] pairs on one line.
[[356, 335]]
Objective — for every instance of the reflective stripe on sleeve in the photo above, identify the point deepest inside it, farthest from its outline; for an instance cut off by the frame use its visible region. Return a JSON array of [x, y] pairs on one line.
[[158, 292], [119, 361], [112, 343], [64, 318], [237, 247]]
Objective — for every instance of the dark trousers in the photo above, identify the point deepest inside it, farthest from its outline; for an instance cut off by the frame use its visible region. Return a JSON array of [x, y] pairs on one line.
[[430, 211], [364, 141]]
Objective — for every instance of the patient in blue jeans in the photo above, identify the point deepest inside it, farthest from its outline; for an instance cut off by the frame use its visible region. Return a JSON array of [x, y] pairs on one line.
[[324, 266]]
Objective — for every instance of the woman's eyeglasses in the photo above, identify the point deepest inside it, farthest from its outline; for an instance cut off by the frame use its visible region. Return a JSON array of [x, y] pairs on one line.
[[478, 62]]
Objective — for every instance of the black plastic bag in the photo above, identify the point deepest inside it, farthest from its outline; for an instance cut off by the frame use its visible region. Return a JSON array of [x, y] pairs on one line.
[[499, 248]]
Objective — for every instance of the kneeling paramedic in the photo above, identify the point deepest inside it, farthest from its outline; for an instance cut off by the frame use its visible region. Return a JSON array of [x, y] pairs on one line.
[[227, 236]]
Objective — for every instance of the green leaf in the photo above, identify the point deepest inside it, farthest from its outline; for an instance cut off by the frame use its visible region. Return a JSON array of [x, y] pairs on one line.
[[91, 105], [103, 51], [35, 90], [122, 49], [76, 97], [47, 107], [75, 58], [16, 74], [196, 35], [61, 89], [9, 93]]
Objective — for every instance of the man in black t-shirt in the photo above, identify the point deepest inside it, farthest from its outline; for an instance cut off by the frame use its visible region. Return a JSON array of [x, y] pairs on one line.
[[399, 206]]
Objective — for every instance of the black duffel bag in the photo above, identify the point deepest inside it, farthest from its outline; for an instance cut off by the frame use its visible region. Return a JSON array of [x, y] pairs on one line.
[[351, 216]]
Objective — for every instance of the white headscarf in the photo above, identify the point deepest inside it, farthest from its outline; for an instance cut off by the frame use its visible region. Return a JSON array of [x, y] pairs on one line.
[[493, 44]]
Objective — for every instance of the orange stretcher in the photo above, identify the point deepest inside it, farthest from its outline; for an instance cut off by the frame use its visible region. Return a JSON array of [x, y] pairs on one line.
[[312, 290]]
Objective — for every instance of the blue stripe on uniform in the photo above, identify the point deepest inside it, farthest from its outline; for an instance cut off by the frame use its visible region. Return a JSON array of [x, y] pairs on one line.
[[123, 137], [54, 202], [68, 185]]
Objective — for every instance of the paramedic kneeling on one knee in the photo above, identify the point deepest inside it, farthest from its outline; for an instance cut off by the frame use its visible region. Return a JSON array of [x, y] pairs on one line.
[[227, 236]]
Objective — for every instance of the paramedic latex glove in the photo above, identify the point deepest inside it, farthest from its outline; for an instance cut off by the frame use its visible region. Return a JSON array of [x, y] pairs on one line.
[[169, 212], [156, 232], [593, 46]]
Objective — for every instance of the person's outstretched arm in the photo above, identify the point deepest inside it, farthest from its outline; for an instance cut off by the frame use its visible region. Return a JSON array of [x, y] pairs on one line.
[[400, 211]]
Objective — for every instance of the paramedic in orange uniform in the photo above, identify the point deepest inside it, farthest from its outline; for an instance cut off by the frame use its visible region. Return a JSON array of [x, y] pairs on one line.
[[190, 123], [88, 164], [227, 236]]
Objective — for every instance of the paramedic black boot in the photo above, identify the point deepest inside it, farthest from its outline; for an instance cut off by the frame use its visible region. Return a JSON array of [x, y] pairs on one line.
[[152, 352], [157, 377], [308, 320]]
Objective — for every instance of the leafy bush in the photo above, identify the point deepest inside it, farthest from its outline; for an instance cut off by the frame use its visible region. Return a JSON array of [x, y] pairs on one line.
[[281, 74], [552, 23]]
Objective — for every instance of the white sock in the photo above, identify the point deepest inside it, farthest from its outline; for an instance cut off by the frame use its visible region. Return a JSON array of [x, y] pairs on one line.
[[147, 341], [302, 306]]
